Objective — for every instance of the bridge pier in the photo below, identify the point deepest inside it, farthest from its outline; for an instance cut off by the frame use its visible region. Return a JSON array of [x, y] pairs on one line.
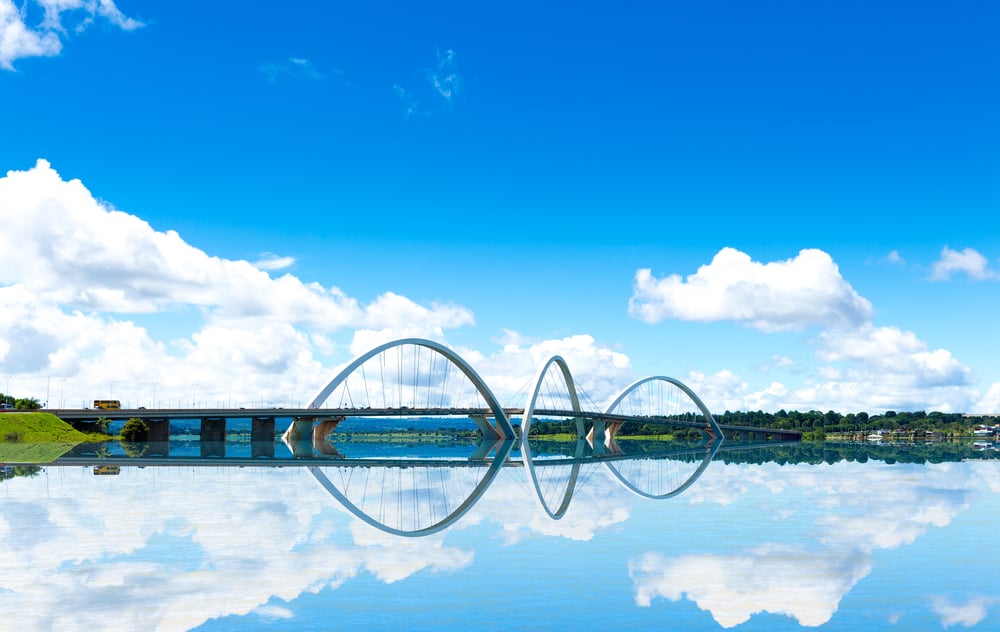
[[304, 434], [489, 432], [262, 437], [213, 437], [158, 442], [597, 436]]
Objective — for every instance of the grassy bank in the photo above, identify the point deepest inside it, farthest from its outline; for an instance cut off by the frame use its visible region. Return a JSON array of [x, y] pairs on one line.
[[37, 437]]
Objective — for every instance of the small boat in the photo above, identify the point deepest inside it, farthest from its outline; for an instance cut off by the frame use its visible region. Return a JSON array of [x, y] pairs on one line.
[[875, 436]]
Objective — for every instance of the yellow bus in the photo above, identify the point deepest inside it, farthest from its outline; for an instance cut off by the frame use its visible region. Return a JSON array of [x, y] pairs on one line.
[[107, 404], [106, 470]]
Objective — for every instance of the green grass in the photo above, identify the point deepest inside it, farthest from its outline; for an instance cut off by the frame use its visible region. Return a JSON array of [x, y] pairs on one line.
[[37, 437]]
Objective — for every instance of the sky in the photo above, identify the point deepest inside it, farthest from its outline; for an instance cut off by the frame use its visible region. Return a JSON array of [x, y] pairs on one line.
[[786, 205]]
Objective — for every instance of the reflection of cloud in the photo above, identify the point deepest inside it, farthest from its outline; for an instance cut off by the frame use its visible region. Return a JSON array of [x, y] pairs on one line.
[[864, 507], [162, 536], [967, 614], [803, 584], [598, 503], [398, 558]]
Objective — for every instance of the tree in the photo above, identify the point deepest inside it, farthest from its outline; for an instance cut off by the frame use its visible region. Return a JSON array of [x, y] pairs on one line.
[[27, 403], [103, 424], [135, 430]]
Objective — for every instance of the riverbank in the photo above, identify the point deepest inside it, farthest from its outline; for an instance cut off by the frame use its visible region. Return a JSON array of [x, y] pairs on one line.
[[38, 437]]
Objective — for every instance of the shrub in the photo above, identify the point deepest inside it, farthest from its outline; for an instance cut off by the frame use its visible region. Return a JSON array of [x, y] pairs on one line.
[[135, 430]]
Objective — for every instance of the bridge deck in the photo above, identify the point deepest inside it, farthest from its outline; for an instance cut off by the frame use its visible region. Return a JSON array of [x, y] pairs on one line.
[[92, 414]]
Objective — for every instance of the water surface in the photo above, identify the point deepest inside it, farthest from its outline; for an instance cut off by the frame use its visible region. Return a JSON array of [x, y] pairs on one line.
[[835, 538]]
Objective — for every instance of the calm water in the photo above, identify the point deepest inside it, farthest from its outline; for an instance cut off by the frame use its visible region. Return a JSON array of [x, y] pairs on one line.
[[839, 538]]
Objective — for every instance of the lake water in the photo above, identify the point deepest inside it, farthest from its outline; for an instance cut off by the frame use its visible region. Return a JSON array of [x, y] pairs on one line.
[[833, 537]]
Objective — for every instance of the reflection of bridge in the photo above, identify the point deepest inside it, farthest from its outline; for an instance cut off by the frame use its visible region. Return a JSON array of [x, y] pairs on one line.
[[419, 496], [421, 378]]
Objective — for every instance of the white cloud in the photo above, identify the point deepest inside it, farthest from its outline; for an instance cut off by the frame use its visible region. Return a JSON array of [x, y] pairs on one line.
[[966, 615], [805, 291], [862, 366], [18, 40], [293, 68], [443, 77], [897, 354], [71, 267], [990, 402], [270, 262], [893, 258], [598, 371], [444, 85], [968, 262]]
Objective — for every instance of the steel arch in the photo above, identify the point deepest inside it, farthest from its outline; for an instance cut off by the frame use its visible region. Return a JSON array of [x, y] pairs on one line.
[[504, 428], [529, 408], [709, 419]]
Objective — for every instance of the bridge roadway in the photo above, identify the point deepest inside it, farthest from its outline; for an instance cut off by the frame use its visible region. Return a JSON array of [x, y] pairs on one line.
[[165, 414]]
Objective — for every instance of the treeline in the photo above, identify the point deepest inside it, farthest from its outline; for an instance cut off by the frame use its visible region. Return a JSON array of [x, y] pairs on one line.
[[19, 403], [832, 422], [813, 421]]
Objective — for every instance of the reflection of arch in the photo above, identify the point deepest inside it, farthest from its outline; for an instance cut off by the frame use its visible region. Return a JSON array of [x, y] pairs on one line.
[[710, 451], [502, 451], [503, 427], [574, 474], [713, 427]]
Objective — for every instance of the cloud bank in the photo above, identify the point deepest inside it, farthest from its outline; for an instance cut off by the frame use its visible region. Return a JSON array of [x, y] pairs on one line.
[[857, 365]]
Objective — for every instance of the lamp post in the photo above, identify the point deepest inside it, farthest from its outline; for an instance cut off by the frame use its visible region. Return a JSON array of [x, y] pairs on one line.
[[153, 403]]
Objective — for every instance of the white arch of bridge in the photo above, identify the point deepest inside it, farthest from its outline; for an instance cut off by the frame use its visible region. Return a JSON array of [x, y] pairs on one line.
[[710, 422], [503, 427]]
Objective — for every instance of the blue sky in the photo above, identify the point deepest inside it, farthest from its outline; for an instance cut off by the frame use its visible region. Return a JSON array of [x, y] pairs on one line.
[[812, 187]]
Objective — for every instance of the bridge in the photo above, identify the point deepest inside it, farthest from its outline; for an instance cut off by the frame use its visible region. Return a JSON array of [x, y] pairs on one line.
[[415, 377]]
